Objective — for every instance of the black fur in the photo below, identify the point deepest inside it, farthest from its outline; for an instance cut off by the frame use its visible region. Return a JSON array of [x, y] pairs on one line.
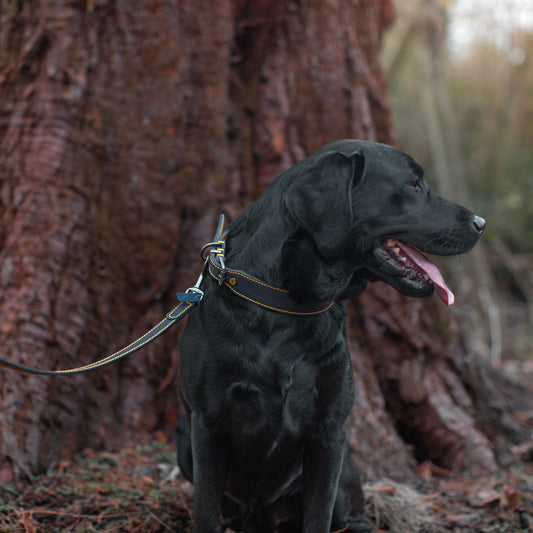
[[267, 394]]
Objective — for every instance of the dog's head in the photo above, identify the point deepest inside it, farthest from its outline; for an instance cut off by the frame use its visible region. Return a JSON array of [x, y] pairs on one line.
[[368, 205]]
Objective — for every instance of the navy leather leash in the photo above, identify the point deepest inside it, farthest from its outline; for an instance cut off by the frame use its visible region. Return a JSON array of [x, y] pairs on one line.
[[188, 301]]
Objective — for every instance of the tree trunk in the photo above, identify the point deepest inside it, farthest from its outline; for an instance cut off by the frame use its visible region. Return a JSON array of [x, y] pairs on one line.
[[125, 130]]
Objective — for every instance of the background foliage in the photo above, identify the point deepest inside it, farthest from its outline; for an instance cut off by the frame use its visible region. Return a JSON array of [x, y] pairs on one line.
[[461, 88]]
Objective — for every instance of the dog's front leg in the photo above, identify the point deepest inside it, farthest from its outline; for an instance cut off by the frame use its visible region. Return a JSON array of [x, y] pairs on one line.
[[321, 471], [208, 477]]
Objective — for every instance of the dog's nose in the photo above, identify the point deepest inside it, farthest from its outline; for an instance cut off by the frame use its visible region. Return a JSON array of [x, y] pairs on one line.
[[479, 223]]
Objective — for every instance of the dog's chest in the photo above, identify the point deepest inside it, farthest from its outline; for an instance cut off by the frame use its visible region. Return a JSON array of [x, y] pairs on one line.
[[272, 402], [267, 426]]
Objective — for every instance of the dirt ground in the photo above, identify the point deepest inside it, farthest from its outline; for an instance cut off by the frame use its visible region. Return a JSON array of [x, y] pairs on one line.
[[140, 490]]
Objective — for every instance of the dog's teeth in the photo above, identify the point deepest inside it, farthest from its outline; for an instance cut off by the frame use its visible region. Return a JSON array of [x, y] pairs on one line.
[[396, 250], [403, 259], [390, 242], [426, 277]]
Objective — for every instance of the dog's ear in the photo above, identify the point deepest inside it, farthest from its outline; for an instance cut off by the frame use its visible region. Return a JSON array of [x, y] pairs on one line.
[[320, 199]]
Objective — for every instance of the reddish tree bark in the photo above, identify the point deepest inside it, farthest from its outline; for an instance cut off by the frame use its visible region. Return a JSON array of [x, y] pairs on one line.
[[124, 131]]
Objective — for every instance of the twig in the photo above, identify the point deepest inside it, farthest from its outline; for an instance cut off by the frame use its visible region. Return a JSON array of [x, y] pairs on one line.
[[495, 326], [157, 519]]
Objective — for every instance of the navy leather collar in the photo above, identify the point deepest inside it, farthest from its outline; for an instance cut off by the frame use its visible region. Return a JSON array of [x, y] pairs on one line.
[[257, 291]]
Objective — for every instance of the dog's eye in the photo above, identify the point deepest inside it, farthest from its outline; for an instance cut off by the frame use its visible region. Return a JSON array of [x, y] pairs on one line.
[[415, 184]]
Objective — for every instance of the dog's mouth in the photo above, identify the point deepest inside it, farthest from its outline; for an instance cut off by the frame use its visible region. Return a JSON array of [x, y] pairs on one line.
[[400, 259]]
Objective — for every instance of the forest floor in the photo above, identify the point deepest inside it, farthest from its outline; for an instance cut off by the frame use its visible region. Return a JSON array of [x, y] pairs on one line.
[[139, 490]]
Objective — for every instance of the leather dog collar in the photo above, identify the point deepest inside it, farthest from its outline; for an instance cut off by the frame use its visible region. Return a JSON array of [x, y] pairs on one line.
[[257, 291]]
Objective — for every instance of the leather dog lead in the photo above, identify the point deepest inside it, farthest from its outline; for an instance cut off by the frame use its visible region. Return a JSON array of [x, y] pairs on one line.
[[188, 301]]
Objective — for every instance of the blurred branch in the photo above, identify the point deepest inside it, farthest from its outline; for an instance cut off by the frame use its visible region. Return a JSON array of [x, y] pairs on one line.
[[522, 278], [495, 327]]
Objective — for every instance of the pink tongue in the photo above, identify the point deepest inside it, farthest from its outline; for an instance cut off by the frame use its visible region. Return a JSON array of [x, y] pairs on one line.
[[445, 294]]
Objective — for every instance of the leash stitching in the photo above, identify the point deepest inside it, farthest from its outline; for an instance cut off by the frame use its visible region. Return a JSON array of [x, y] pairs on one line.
[[169, 320]]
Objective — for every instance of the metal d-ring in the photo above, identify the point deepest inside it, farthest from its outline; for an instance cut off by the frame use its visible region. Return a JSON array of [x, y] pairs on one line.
[[204, 247]]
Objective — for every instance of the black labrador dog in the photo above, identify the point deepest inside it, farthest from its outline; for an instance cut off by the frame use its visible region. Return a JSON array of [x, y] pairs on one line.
[[267, 384]]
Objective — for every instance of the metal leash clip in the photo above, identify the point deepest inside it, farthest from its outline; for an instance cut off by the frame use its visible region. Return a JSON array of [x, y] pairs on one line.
[[218, 249], [193, 294], [219, 253]]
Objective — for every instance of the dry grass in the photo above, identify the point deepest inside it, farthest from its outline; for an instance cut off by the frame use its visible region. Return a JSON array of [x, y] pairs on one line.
[[400, 508]]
